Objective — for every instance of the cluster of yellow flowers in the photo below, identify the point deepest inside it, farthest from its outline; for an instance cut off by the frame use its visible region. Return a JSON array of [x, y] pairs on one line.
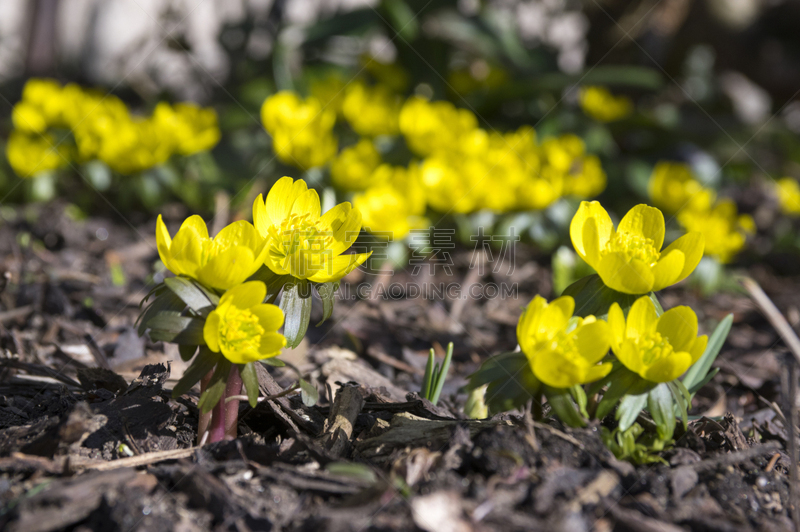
[[101, 127], [674, 188], [565, 351], [460, 168], [600, 104], [788, 192]]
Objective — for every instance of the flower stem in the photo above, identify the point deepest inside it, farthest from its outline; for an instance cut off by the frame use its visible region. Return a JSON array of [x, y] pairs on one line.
[[217, 430], [205, 419], [234, 387]]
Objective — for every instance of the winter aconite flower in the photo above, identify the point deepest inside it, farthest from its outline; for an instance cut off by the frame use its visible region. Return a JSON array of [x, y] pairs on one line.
[[242, 327], [301, 242], [354, 166], [673, 187], [562, 350], [222, 262], [600, 104], [630, 259], [30, 154], [725, 230], [658, 348], [396, 205], [788, 192]]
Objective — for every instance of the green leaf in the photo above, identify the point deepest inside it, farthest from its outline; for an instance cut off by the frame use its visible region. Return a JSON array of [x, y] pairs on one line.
[[682, 400], [216, 388], [274, 362], [308, 393], [579, 395], [296, 307], [629, 409], [204, 362], [441, 374], [250, 380], [327, 293], [430, 374], [169, 327], [560, 400], [695, 378], [352, 470], [166, 301], [186, 351], [592, 297], [402, 18], [624, 383], [662, 407], [509, 379], [195, 298]]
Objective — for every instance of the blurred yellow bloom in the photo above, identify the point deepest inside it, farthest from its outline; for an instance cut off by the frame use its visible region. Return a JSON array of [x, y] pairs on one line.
[[328, 89], [390, 74], [191, 128], [136, 145], [587, 178], [788, 192], [242, 327], [301, 243], [29, 154], [222, 262], [396, 205], [41, 107], [371, 111], [725, 231], [354, 166], [563, 351], [629, 259], [600, 104], [560, 152], [673, 188], [657, 348], [301, 130], [433, 126]]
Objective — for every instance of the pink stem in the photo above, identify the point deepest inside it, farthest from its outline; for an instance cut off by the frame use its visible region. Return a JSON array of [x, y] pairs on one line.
[[205, 419], [234, 387], [217, 430]]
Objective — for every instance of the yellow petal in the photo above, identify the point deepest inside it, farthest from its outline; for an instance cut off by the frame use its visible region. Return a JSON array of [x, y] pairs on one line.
[[698, 348], [555, 370], [634, 277], [667, 269], [591, 242], [592, 341], [692, 246], [345, 224], [186, 250], [597, 372], [281, 197], [239, 233], [270, 317], [528, 324], [163, 241], [307, 203], [605, 226], [646, 221], [630, 356], [616, 325], [211, 331], [243, 356], [271, 344], [261, 220], [338, 267], [642, 318], [679, 326], [229, 268], [555, 316], [246, 295], [669, 368]]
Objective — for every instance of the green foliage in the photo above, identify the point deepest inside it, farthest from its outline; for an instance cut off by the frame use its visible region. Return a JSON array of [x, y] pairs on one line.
[[433, 381]]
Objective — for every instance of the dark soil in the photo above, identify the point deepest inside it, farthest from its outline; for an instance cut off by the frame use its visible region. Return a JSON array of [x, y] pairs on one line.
[[90, 438]]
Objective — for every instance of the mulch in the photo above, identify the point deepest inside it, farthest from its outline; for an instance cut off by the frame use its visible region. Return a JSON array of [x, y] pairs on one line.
[[90, 438]]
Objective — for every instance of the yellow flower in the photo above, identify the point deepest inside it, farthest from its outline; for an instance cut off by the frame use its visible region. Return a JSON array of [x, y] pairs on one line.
[[301, 243], [788, 192], [42, 106], [394, 207], [29, 154], [725, 231], [587, 178], [600, 104], [673, 188], [433, 126], [562, 350], [193, 129], [242, 327], [658, 348], [371, 111], [301, 130], [629, 259], [137, 144], [222, 262], [353, 168]]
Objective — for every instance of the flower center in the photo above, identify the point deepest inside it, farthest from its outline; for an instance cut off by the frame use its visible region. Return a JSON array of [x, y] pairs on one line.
[[240, 331], [564, 344], [653, 348], [633, 247], [301, 244]]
